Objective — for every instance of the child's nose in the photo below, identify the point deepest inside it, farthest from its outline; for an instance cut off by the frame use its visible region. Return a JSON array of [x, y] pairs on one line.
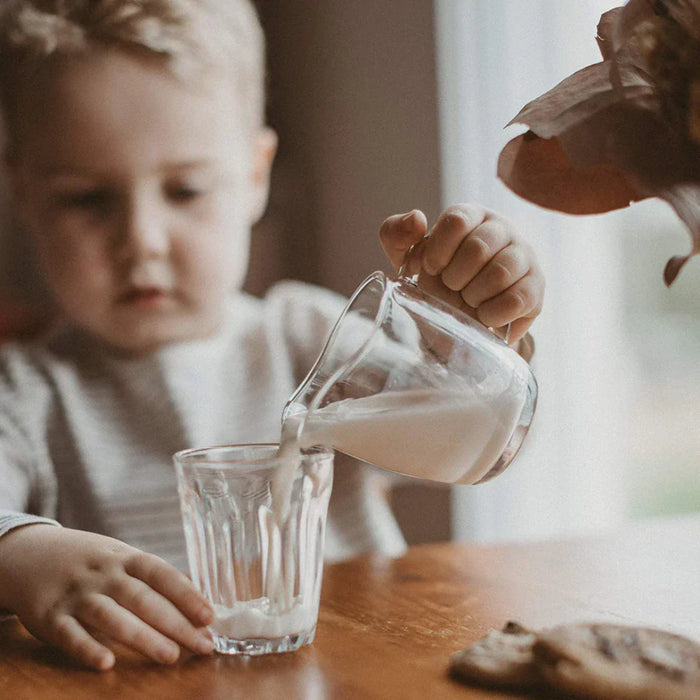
[[143, 231]]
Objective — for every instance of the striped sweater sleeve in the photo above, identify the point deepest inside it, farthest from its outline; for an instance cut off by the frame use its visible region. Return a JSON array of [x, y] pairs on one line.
[[25, 495]]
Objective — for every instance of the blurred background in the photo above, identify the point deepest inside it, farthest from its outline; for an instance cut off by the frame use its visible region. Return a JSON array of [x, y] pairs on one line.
[[382, 107]]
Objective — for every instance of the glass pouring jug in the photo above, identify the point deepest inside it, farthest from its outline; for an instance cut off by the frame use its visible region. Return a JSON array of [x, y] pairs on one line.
[[408, 383]]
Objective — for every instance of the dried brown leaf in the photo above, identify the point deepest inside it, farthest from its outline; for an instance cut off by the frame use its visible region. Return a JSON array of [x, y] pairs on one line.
[[540, 171], [621, 130], [685, 200], [606, 32], [582, 95], [629, 17], [686, 13]]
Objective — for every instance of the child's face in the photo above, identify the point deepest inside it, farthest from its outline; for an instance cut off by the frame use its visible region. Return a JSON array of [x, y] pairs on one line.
[[140, 192]]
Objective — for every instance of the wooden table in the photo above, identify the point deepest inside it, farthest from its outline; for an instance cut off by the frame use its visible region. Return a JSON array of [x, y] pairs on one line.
[[387, 627]]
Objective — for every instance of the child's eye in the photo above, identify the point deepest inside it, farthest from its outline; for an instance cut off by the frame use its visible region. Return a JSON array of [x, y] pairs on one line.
[[183, 193], [88, 200]]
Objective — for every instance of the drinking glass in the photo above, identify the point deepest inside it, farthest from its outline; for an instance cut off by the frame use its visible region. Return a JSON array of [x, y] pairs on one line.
[[409, 383], [262, 576]]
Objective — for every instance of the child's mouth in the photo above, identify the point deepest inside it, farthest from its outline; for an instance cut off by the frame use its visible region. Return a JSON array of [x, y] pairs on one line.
[[145, 297]]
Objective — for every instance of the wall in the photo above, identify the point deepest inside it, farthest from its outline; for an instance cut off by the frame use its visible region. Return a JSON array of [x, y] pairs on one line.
[[353, 98]]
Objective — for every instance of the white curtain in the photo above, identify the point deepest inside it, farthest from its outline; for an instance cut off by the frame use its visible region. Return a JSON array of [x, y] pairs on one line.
[[493, 57]]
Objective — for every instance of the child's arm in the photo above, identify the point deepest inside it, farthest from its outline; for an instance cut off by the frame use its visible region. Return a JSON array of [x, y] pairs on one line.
[[474, 259], [70, 588]]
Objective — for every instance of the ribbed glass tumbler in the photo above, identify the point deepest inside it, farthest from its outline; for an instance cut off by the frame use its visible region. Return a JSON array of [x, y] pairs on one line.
[[261, 573]]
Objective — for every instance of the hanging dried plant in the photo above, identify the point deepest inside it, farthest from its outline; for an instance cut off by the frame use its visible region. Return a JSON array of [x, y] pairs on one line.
[[621, 130]]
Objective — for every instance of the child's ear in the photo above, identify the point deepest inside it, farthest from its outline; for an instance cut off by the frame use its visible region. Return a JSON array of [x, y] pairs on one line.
[[264, 149]]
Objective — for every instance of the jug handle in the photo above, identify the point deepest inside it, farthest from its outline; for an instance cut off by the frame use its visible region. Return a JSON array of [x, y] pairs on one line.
[[402, 273]]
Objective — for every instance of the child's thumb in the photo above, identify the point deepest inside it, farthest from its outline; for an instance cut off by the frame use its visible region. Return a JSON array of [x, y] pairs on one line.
[[400, 232]]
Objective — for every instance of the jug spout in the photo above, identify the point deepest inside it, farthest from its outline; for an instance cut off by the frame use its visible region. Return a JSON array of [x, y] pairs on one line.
[[348, 342]]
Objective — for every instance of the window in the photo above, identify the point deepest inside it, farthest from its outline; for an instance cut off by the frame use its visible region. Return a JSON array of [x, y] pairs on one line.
[[617, 430]]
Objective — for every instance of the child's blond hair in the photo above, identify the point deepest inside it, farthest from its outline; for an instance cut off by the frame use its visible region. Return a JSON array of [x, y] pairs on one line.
[[188, 35]]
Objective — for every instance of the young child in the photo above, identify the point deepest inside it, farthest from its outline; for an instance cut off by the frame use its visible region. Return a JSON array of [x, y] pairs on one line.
[[139, 160]]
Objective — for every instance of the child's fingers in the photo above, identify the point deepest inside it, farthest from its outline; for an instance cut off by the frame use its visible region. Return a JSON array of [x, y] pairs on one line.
[[172, 584], [508, 266], [453, 226], [68, 634], [518, 329], [522, 300], [459, 264], [108, 617], [138, 597], [435, 287], [398, 233]]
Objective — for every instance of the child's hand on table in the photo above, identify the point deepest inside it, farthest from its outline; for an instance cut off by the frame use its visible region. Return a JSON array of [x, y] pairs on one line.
[[474, 259], [71, 588]]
